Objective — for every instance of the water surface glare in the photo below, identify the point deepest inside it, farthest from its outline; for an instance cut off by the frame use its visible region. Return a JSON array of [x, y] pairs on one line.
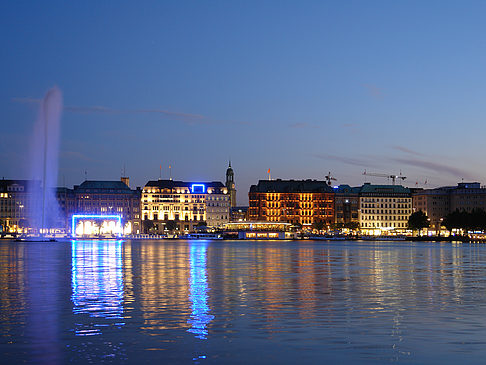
[[242, 302]]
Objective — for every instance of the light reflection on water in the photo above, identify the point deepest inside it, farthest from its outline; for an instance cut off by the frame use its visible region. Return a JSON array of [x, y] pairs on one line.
[[242, 302], [200, 316], [97, 282]]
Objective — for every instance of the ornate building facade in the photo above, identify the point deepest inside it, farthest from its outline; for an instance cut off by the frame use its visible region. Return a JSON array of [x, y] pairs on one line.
[[186, 203], [302, 202]]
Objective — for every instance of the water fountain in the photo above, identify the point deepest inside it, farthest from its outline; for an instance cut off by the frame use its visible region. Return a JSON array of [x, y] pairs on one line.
[[44, 210]]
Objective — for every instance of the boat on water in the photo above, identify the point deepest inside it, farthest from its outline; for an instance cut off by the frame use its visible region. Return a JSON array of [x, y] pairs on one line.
[[384, 238], [203, 236]]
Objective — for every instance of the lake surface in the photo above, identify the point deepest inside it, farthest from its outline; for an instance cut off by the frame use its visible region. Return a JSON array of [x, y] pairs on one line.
[[242, 302]]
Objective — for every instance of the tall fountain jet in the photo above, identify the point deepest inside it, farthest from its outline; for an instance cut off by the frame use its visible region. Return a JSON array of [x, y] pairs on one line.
[[44, 210]]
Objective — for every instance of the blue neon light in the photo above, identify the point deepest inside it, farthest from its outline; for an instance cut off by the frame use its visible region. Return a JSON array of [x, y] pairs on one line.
[[193, 186], [76, 217]]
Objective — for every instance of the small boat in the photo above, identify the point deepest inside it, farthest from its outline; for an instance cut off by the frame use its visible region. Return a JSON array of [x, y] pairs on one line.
[[203, 236]]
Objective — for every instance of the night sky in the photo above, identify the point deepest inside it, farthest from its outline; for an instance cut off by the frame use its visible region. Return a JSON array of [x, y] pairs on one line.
[[302, 88]]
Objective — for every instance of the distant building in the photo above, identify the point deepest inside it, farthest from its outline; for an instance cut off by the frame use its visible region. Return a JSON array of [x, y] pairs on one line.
[[438, 203], [16, 199], [384, 208], [239, 214], [109, 198], [346, 204], [230, 185], [302, 202], [186, 203]]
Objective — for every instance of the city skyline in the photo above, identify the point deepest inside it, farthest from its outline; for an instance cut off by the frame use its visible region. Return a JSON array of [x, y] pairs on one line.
[[300, 90]]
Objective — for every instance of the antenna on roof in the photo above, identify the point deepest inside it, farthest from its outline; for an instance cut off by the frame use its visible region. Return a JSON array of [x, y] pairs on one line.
[[170, 172], [86, 174], [160, 172]]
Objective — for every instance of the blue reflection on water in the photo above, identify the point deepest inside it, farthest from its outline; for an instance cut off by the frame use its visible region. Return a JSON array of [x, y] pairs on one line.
[[199, 288], [97, 282]]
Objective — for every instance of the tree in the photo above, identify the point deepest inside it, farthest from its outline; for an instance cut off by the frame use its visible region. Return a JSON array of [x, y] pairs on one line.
[[354, 226], [318, 225], [201, 224], [418, 220]]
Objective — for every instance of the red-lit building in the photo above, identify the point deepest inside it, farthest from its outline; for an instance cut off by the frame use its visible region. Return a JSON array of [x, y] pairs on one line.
[[302, 202]]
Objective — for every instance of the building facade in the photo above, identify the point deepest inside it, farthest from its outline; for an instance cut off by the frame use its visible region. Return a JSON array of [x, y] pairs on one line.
[[108, 198], [17, 198], [384, 208], [186, 203], [302, 202], [346, 204], [438, 203]]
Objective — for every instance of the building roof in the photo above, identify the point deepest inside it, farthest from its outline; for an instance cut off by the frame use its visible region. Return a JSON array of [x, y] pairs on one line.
[[346, 189], [384, 189], [291, 186], [19, 185], [91, 186], [170, 184]]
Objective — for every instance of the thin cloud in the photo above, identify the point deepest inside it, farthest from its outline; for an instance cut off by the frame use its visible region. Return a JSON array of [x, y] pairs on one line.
[[374, 90], [436, 167], [184, 117], [347, 160], [353, 128], [303, 125], [407, 150]]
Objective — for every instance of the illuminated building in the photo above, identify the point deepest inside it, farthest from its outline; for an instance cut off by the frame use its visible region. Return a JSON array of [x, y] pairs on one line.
[[239, 214], [109, 198], [437, 203], [294, 201], [230, 185], [16, 197], [346, 204], [186, 203], [384, 208]]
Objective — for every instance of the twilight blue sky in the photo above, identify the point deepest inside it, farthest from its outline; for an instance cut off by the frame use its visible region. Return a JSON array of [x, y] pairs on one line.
[[301, 87]]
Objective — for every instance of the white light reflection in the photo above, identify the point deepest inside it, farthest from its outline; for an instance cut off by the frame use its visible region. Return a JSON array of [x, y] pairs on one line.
[[200, 316], [97, 282]]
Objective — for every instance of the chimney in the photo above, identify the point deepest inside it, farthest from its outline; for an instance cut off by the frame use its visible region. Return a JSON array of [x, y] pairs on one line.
[[126, 181]]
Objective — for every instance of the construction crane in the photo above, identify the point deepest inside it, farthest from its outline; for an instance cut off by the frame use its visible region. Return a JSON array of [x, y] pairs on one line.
[[329, 178], [393, 177]]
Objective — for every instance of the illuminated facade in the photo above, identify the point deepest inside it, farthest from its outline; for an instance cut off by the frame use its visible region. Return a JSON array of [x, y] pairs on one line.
[[384, 208], [109, 198], [16, 197], [294, 201], [186, 203]]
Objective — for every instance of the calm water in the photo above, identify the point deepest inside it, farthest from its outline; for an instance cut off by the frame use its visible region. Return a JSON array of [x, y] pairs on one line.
[[242, 302]]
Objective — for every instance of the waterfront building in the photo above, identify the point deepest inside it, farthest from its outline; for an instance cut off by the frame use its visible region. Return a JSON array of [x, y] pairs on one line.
[[108, 198], [439, 202], [239, 214], [16, 199], [384, 209], [346, 204], [230, 185], [186, 203], [302, 202]]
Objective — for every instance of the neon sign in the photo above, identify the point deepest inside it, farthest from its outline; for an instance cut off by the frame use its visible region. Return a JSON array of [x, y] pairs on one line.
[[198, 188]]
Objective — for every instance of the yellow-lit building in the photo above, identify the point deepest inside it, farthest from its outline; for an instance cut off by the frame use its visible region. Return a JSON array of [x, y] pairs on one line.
[[16, 198], [384, 209], [186, 203]]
